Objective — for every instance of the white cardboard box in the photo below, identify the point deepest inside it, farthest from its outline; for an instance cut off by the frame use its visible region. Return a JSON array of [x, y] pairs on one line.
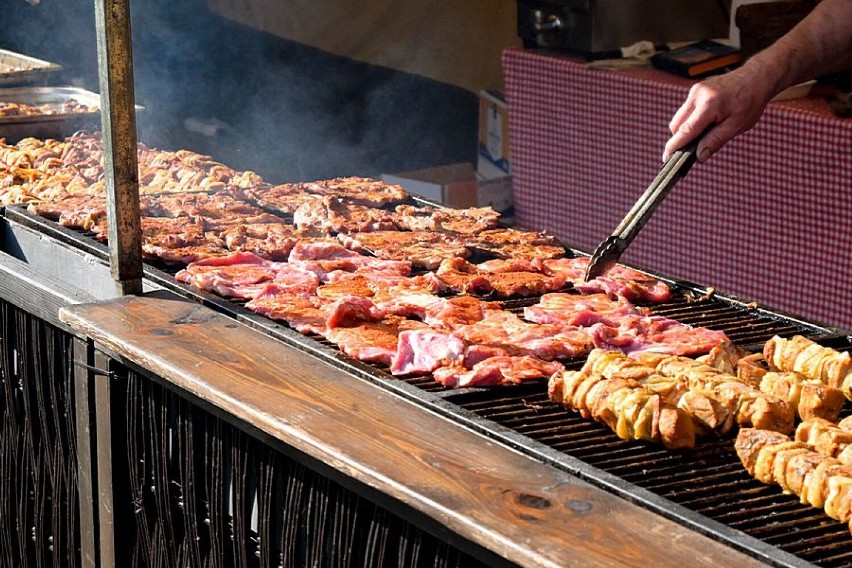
[[456, 185], [493, 156]]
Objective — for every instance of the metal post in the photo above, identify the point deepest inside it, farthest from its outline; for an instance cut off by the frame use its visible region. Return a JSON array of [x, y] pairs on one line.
[[118, 121]]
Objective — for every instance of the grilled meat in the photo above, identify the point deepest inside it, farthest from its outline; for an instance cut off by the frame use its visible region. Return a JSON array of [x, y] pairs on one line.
[[470, 221], [810, 397], [801, 355]]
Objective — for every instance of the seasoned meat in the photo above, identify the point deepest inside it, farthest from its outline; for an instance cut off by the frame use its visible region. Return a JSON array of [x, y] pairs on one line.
[[468, 221]]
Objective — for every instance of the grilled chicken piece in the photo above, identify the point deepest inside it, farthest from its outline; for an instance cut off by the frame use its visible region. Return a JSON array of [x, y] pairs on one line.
[[818, 480], [632, 409], [751, 369], [751, 440], [724, 357], [801, 355], [749, 406], [825, 436]]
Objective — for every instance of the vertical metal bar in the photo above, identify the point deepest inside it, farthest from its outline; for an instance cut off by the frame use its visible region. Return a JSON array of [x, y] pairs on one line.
[[118, 120], [106, 519], [85, 468]]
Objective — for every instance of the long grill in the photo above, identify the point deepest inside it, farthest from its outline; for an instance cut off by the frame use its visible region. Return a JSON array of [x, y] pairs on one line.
[[706, 489]]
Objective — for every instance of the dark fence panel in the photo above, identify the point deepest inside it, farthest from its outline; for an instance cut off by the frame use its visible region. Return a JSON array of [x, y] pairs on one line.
[[201, 492], [39, 518]]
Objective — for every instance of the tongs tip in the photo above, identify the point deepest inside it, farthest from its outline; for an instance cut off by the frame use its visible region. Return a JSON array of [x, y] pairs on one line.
[[605, 257]]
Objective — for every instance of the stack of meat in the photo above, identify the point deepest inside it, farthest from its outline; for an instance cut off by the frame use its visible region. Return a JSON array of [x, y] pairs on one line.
[[816, 465], [64, 107], [416, 288], [673, 399], [666, 398]]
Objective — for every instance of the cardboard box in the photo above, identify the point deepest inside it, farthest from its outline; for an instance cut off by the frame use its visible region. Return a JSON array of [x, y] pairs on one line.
[[493, 152], [456, 185]]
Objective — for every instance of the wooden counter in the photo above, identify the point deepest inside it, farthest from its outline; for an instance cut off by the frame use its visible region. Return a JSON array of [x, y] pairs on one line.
[[478, 495]]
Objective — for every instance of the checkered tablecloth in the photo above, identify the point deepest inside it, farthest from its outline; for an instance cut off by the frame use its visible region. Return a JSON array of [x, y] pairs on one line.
[[768, 219]]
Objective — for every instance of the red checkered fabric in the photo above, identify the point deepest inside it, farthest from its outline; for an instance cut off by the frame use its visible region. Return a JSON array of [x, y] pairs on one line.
[[768, 219]]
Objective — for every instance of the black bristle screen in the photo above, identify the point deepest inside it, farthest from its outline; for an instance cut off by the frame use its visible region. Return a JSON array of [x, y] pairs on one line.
[[200, 492], [39, 518]]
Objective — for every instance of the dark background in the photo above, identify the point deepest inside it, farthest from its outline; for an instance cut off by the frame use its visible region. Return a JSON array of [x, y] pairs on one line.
[[252, 100]]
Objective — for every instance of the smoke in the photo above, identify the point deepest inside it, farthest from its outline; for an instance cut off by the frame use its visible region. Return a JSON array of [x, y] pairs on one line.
[[254, 101]]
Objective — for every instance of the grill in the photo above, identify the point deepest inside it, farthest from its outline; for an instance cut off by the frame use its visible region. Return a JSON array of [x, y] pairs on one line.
[[705, 489]]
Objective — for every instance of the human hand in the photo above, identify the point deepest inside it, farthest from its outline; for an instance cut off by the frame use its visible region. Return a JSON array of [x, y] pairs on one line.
[[733, 102]]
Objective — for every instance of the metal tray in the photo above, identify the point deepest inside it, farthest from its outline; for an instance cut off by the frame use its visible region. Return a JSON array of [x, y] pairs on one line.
[[57, 126], [17, 69]]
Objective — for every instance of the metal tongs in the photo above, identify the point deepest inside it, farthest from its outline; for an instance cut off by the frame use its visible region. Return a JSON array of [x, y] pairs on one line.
[[611, 249]]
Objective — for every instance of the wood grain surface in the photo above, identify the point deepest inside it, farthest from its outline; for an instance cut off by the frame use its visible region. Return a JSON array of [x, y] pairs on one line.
[[522, 510]]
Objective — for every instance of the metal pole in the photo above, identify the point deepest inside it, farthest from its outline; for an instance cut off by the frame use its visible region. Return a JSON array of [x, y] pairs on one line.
[[118, 123]]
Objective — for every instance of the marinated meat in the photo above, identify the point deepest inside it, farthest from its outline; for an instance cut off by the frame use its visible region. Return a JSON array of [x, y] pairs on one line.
[[372, 341], [801, 355], [302, 312], [450, 313], [499, 370], [424, 249], [74, 211], [332, 215], [358, 190], [284, 199], [579, 309], [618, 281], [273, 241], [221, 207], [459, 221], [502, 281], [179, 255], [357, 285], [461, 276], [657, 334], [514, 243]]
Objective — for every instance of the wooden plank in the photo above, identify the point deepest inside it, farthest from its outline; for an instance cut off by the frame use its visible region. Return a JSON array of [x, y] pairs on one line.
[[473, 488]]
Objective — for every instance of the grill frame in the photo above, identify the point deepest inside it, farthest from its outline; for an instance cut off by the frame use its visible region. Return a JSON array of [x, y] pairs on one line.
[[452, 403]]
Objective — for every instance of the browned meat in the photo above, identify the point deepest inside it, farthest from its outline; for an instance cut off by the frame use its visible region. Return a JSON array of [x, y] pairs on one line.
[[810, 397], [372, 341], [357, 190], [499, 370], [751, 440], [503, 282], [273, 241], [801, 355], [331, 215], [514, 243], [285, 198], [74, 211], [425, 249], [469, 221], [631, 410]]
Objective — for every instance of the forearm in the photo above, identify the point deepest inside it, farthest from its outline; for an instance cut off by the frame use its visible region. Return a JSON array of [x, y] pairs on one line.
[[819, 44]]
